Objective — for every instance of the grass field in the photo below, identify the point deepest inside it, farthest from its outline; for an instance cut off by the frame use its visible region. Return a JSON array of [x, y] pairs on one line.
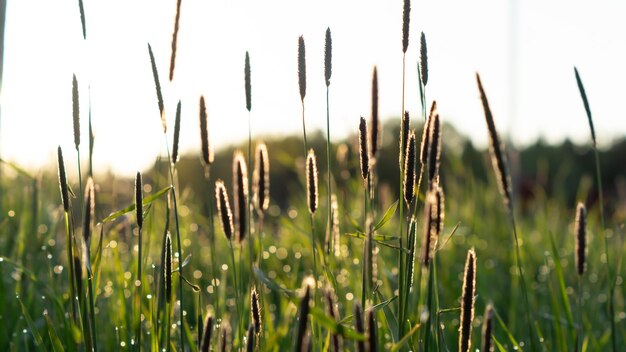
[[369, 243]]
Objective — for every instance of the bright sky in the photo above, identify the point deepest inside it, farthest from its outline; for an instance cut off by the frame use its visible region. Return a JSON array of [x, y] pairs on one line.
[[525, 52]]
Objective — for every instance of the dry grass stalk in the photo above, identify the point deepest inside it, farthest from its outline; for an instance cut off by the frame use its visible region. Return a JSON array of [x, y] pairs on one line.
[[207, 150], [255, 310], [223, 208], [496, 149], [205, 346], [175, 40], [409, 169], [248, 85], [364, 155], [375, 135], [176, 135], [487, 334], [139, 200], [423, 59], [580, 229], [75, 112], [467, 302], [406, 17], [328, 57], [301, 68], [65, 197], [261, 178], [311, 181]]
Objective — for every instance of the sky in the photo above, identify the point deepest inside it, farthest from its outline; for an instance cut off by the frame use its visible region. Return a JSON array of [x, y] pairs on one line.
[[525, 52]]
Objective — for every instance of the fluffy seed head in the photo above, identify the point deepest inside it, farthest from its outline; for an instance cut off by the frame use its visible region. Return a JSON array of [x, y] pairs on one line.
[[412, 244], [434, 150], [409, 169], [423, 59], [430, 233], [404, 136], [224, 343], [157, 85], [167, 268], [303, 318], [75, 112], [65, 197], [261, 178], [440, 209], [223, 208], [328, 57], [90, 201], [487, 334], [332, 311], [359, 326], [375, 135], [311, 181], [255, 310], [206, 334], [467, 302], [207, 150], [580, 228], [174, 40], [406, 17], [364, 155], [240, 194], [371, 324], [139, 200], [301, 68], [496, 149], [250, 338], [426, 135], [246, 72], [176, 135]]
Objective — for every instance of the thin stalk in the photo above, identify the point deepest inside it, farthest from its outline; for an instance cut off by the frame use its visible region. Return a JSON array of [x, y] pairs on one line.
[[401, 283], [328, 167], [611, 285], [232, 258], [436, 300], [91, 301], [315, 328], [429, 299], [248, 205], [365, 278], [80, 181], [580, 314], [207, 176], [167, 326], [304, 132], [178, 243], [518, 260], [138, 293], [70, 260]]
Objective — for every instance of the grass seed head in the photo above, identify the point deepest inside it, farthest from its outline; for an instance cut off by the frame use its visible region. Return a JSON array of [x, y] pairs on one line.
[[223, 208], [496, 149], [176, 135], [167, 268], [375, 135], [430, 233], [328, 57], [157, 85], [487, 333], [409, 170], [261, 178], [440, 210], [405, 125], [311, 181], [75, 112], [434, 150], [139, 200], [583, 95], [412, 245], [301, 68], [255, 310], [65, 197], [240, 194], [250, 338], [89, 213], [225, 339], [303, 318], [423, 59], [364, 155], [426, 135], [246, 72], [406, 17], [206, 334], [175, 40], [467, 302], [580, 229], [207, 150], [359, 326], [371, 336], [335, 339]]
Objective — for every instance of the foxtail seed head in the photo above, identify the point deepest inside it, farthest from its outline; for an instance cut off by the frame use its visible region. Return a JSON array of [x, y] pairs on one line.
[[90, 201], [240, 193], [423, 59], [364, 155], [426, 135], [248, 85], [434, 150], [255, 310], [175, 40], [406, 17], [157, 85], [359, 326], [223, 208], [167, 268], [311, 181], [371, 334], [404, 136], [375, 134], [430, 233], [487, 334], [301, 68], [207, 150], [176, 135], [496, 149], [139, 200], [580, 229], [250, 338], [303, 318], [467, 302], [328, 57], [261, 178], [65, 197], [332, 311], [75, 112], [206, 334], [409, 169]]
